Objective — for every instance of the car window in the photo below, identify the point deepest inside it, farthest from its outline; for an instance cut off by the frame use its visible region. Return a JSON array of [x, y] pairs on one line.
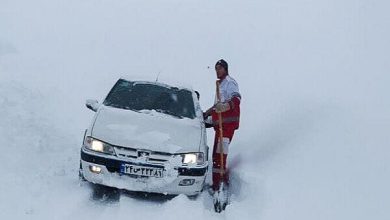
[[138, 96]]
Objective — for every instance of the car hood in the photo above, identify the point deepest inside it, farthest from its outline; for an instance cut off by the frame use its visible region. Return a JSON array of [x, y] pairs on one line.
[[148, 130]]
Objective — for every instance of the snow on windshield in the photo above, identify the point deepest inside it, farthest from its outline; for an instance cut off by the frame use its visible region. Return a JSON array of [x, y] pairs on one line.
[[148, 96]]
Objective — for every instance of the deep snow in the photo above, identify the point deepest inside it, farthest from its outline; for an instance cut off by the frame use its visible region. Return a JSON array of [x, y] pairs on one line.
[[314, 75]]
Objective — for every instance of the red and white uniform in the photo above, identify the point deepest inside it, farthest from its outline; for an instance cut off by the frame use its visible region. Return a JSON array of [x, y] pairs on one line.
[[229, 93]]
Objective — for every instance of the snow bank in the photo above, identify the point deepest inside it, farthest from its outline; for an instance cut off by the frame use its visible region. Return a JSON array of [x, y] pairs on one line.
[[313, 142]]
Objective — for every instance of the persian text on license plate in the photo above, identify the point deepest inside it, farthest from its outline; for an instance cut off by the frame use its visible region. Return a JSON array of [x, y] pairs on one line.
[[142, 170]]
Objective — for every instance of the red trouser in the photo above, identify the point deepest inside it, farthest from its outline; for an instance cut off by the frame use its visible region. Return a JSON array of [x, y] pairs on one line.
[[227, 138]]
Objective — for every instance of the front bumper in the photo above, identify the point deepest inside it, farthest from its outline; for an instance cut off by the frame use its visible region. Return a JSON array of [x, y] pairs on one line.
[[170, 184]]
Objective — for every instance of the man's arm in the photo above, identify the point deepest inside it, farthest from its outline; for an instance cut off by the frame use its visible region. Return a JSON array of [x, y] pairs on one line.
[[208, 112], [234, 98], [207, 117]]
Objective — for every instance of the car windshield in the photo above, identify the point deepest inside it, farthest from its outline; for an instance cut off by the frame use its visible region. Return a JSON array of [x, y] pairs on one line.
[[139, 96]]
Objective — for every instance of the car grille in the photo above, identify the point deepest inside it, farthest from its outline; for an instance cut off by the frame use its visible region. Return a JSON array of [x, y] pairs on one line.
[[131, 154]]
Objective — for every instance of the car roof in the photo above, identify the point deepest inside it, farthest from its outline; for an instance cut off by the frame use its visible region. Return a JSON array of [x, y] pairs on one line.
[[163, 84]]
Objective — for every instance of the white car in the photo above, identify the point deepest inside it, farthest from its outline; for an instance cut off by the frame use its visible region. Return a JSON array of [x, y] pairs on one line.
[[146, 136]]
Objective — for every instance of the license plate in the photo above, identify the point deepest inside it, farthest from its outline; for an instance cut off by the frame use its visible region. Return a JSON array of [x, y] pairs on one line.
[[142, 170]]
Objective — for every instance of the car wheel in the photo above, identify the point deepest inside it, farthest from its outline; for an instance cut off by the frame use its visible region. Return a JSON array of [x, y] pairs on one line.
[[81, 175], [193, 197], [105, 193]]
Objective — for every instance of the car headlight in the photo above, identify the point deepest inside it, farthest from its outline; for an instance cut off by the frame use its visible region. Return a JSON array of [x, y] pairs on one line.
[[98, 146], [193, 158]]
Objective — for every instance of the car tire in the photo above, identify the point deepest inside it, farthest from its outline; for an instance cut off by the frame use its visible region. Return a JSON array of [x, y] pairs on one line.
[[193, 197], [81, 175], [105, 193]]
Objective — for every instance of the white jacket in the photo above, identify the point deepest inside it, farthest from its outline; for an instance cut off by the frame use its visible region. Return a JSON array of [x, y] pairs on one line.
[[228, 89]]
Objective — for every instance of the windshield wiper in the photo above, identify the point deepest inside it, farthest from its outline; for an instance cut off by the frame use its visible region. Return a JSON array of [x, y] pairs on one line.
[[168, 113]]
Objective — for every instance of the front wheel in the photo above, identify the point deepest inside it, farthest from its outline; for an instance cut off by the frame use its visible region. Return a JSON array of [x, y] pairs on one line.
[[105, 193], [81, 175], [193, 197]]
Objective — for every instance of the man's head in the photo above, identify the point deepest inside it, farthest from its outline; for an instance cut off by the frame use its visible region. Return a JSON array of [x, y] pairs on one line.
[[221, 68]]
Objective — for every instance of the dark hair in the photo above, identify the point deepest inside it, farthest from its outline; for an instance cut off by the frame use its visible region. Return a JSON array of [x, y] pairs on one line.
[[223, 63]]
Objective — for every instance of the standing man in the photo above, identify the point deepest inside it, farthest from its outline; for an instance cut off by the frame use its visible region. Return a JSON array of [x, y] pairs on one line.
[[229, 107]]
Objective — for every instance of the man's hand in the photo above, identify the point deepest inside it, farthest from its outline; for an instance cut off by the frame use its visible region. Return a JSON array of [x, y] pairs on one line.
[[207, 120], [222, 107]]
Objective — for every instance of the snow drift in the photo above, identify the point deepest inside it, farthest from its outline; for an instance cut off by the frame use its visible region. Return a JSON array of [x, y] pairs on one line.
[[313, 142]]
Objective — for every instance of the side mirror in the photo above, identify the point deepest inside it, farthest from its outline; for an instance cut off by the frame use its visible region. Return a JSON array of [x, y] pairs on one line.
[[92, 104], [197, 94]]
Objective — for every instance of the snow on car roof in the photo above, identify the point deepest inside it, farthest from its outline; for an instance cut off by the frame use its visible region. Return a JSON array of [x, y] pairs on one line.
[[166, 82]]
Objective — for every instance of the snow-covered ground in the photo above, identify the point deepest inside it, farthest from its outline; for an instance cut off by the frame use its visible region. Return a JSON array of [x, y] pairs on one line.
[[314, 140]]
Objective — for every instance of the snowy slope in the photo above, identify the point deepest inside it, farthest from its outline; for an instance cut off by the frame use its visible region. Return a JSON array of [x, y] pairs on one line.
[[314, 75]]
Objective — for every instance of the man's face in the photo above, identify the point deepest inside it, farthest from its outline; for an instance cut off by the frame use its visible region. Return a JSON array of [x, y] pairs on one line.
[[221, 72]]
